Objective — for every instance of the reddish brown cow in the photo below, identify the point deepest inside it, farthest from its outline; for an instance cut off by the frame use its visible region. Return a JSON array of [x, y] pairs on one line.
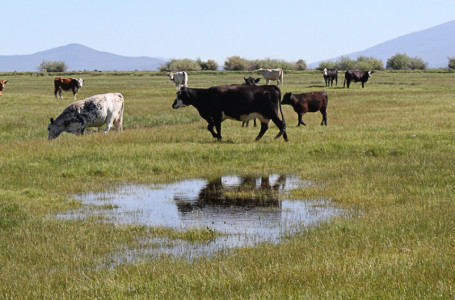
[[2, 86], [308, 102], [66, 84]]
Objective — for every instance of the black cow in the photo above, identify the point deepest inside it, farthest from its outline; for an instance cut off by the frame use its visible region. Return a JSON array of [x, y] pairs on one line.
[[250, 81], [239, 102], [308, 102], [329, 76], [356, 76]]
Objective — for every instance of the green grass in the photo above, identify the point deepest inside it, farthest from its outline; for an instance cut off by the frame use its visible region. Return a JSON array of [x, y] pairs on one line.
[[388, 151]]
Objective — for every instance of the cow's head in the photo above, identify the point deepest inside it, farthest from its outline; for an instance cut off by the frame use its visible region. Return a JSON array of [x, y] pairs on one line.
[[2, 86], [325, 71], [261, 71], [171, 76], [182, 99], [369, 73], [54, 129], [80, 81], [251, 81], [288, 98]]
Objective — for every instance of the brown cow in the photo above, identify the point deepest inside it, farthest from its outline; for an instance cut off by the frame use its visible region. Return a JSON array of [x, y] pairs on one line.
[[2, 86], [308, 102], [66, 84]]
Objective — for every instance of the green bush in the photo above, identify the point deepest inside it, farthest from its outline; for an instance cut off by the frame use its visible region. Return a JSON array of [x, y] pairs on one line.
[[452, 62], [401, 61], [180, 65], [52, 66]]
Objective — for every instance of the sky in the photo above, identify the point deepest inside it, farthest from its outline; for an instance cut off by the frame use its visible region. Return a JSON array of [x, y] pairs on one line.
[[216, 29]]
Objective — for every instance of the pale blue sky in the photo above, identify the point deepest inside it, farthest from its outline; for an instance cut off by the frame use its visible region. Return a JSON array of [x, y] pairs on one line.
[[289, 30]]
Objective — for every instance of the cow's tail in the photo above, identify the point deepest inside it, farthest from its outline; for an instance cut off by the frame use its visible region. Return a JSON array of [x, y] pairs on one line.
[[283, 122], [281, 78]]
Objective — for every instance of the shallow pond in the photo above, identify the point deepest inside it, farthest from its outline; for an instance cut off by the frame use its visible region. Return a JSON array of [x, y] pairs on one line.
[[244, 210]]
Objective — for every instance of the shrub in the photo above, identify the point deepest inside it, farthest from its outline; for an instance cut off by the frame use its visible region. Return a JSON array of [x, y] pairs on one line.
[[235, 63], [52, 66], [180, 65], [300, 65], [209, 65], [452, 62]]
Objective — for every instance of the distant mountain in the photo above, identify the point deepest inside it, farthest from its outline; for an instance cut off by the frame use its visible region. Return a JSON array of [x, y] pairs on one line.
[[78, 58], [433, 45]]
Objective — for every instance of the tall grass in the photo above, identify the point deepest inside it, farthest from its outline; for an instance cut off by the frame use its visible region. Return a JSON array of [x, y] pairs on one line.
[[388, 152]]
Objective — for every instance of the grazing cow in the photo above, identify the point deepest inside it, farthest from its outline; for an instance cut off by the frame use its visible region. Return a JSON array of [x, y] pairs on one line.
[[330, 75], [250, 81], [91, 112], [2, 86], [66, 84], [356, 76], [272, 74], [308, 102], [179, 78], [238, 102]]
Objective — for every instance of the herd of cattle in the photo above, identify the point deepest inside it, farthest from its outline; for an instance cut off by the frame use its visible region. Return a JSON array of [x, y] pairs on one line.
[[241, 102]]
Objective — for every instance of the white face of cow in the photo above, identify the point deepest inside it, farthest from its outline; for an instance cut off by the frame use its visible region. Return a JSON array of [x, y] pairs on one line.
[[80, 82], [325, 71], [369, 73], [171, 76], [179, 101]]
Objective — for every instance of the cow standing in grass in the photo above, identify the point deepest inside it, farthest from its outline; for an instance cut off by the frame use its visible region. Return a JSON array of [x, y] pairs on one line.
[[329, 76], [272, 74], [239, 102], [2, 86], [308, 102], [356, 76], [179, 78], [66, 84], [94, 111]]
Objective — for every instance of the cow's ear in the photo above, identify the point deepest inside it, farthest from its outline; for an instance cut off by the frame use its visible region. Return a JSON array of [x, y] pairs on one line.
[[257, 80], [52, 120], [6, 81]]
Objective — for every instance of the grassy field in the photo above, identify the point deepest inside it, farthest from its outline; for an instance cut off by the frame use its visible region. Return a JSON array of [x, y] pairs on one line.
[[388, 151]]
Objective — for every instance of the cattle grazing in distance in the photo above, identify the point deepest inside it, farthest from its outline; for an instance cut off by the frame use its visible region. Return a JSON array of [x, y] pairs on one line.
[[308, 102], [94, 111], [329, 76], [356, 76], [179, 78], [272, 74], [2, 86], [66, 84], [239, 102], [250, 81]]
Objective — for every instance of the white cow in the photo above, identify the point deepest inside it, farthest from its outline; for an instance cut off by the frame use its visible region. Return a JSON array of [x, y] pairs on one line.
[[94, 111], [179, 78], [272, 74]]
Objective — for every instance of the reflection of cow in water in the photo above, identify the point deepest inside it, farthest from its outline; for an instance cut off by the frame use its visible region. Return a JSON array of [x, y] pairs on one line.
[[248, 193]]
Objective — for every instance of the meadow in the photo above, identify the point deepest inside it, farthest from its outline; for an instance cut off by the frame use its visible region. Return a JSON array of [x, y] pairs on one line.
[[388, 152]]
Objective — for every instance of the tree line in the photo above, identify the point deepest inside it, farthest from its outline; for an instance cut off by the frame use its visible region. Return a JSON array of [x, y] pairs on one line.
[[400, 61]]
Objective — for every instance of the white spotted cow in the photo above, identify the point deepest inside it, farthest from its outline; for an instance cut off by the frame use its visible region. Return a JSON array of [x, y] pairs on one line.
[[272, 74], [94, 111], [179, 78]]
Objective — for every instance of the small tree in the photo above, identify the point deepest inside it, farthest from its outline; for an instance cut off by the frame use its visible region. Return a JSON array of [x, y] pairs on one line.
[[235, 63], [399, 61], [52, 66], [300, 65], [416, 63], [209, 65], [452, 62], [180, 65]]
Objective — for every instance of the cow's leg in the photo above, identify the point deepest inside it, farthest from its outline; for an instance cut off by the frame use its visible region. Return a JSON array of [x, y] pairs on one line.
[[214, 134], [324, 117], [362, 85], [264, 127], [255, 122], [60, 93], [300, 119], [245, 124], [109, 123], [282, 126], [55, 92]]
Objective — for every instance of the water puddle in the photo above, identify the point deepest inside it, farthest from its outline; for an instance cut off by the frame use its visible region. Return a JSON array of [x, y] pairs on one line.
[[245, 211]]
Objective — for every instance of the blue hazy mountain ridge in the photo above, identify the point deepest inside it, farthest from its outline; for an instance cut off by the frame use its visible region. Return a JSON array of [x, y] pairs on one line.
[[79, 58], [433, 45]]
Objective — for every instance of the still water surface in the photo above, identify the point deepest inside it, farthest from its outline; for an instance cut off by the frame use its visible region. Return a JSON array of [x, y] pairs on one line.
[[245, 210]]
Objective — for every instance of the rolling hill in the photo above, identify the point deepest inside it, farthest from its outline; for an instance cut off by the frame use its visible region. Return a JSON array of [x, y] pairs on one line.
[[78, 58], [434, 45]]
